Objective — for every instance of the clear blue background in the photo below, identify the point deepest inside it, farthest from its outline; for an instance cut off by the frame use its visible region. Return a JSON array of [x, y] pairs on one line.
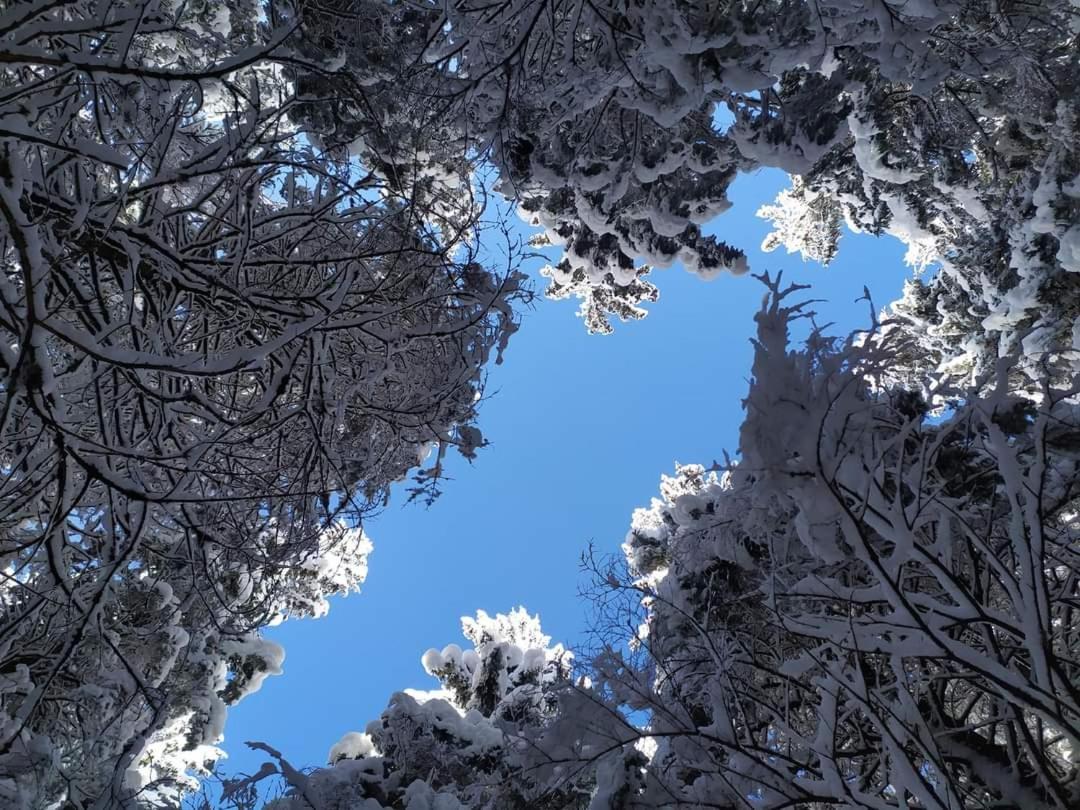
[[581, 428]]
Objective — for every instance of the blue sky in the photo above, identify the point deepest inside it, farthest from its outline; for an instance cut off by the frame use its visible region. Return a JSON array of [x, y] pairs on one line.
[[581, 428]]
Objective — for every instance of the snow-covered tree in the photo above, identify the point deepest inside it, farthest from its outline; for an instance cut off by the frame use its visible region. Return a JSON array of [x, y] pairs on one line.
[[220, 344], [804, 222], [874, 607], [461, 746], [951, 125], [240, 297]]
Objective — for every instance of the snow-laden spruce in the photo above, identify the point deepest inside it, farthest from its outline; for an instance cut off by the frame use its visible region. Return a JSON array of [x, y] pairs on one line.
[[464, 745], [950, 125], [873, 608], [219, 346]]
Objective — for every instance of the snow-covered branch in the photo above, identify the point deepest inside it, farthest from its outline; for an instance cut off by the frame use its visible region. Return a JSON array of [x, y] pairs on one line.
[[220, 343]]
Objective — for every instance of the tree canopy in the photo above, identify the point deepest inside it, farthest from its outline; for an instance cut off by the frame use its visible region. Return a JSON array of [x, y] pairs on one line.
[[221, 343], [244, 290]]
